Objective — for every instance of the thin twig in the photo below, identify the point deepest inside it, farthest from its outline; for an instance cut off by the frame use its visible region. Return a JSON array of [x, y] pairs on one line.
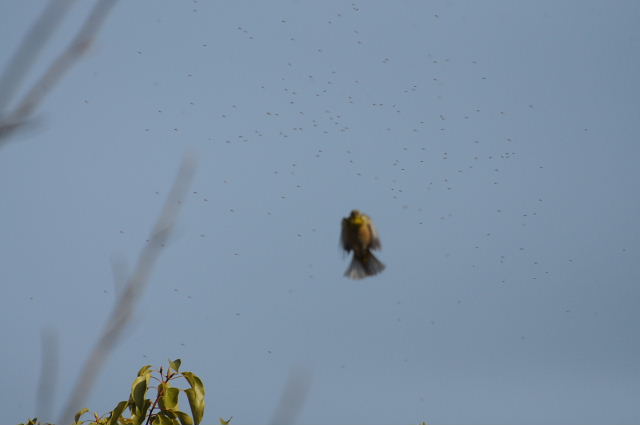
[[31, 45], [158, 395], [293, 397], [48, 374], [130, 295], [78, 46]]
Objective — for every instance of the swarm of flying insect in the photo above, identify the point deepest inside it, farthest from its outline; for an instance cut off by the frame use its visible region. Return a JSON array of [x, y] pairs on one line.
[[360, 236]]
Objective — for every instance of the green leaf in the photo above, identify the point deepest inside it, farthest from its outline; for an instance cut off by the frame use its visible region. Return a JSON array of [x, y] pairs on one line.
[[164, 419], [81, 412], [192, 379], [196, 396], [144, 370], [225, 422], [169, 414], [175, 364], [185, 419], [169, 399], [197, 405], [131, 405], [117, 412], [139, 390], [162, 388], [142, 414]]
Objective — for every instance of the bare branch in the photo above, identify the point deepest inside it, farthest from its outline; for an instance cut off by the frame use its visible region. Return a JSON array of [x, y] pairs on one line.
[[48, 374], [293, 397], [31, 45], [78, 46], [130, 295]]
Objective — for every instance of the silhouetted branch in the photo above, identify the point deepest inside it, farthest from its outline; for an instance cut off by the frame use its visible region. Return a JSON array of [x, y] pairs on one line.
[[23, 59], [130, 295], [31, 45], [293, 397], [48, 374]]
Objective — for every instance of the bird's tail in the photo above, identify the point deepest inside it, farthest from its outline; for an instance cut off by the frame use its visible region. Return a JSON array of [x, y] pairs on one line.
[[363, 266]]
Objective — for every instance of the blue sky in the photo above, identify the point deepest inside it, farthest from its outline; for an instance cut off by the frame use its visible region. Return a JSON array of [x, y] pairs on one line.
[[493, 143]]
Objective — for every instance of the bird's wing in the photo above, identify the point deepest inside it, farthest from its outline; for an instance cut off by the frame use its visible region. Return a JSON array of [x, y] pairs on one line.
[[344, 235], [375, 237]]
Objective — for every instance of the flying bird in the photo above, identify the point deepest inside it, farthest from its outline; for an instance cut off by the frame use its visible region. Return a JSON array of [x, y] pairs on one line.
[[360, 236]]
